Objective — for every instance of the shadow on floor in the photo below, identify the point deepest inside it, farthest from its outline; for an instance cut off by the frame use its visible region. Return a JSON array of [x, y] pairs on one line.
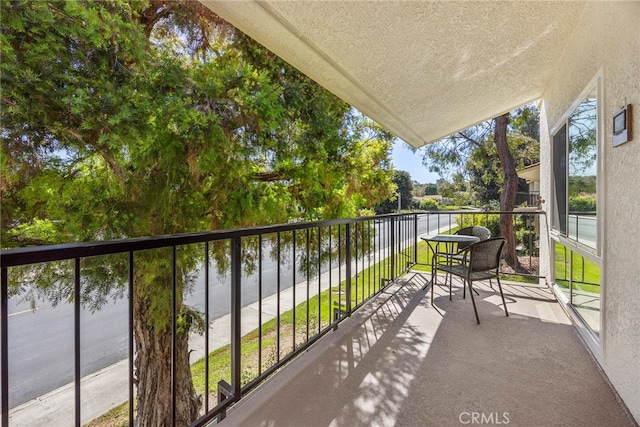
[[401, 362]]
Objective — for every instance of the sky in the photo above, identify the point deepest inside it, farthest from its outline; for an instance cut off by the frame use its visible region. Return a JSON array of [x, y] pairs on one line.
[[405, 159]]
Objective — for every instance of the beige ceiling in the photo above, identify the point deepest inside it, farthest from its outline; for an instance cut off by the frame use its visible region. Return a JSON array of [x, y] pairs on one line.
[[422, 69]]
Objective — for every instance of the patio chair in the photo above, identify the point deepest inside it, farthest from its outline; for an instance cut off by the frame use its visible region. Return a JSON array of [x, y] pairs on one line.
[[482, 233], [480, 262]]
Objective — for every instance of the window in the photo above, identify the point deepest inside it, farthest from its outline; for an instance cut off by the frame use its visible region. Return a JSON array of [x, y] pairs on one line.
[[578, 278], [575, 174], [581, 217], [575, 256]]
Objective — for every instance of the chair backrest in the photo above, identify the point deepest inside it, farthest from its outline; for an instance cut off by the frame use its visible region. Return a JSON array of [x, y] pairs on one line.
[[485, 254], [483, 233]]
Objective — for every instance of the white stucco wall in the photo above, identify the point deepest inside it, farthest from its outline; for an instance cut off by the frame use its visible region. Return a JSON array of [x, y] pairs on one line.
[[608, 40]]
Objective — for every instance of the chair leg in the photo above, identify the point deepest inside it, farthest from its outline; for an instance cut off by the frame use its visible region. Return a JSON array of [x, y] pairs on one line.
[[433, 284], [475, 310], [464, 292], [502, 295]]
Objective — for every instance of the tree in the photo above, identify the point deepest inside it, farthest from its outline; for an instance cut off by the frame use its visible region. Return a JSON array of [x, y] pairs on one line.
[[430, 189], [509, 187], [125, 119], [404, 190], [457, 190], [486, 175], [418, 189], [456, 153]]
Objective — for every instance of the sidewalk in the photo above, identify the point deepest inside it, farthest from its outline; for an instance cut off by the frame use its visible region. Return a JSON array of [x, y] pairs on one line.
[[109, 387]]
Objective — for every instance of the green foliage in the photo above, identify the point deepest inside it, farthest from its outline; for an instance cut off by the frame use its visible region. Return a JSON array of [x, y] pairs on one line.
[[526, 121], [108, 135], [582, 138], [429, 205], [527, 238], [582, 204], [455, 192], [491, 205], [404, 186], [39, 232], [430, 189], [582, 185], [126, 119], [486, 174], [472, 155], [585, 274], [491, 221], [525, 235], [418, 189]]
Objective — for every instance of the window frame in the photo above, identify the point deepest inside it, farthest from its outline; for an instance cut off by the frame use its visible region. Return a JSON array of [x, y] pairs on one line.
[[593, 253]]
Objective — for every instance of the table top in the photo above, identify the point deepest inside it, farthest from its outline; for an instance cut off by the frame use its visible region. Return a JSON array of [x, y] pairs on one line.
[[451, 238]]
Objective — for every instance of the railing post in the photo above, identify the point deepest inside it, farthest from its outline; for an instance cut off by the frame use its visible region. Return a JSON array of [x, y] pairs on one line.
[[348, 267], [131, 341], [278, 277], [233, 390], [76, 340], [5, 341], [570, 272], [236, 317], [206, 329], [415, 239], [393, 249], [402, 239], [174, 332], [293, 287], [260, 300]]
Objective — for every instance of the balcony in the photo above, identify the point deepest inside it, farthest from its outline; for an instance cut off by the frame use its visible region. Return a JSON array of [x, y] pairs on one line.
[[339, 322], [401, 362]]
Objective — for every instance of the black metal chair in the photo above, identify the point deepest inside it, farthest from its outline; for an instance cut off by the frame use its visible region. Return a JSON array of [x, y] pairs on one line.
[[482, 233], [480, 262]]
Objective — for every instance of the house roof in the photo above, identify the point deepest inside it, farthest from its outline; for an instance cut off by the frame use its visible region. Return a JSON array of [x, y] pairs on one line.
[[423, 70], [531, 173]]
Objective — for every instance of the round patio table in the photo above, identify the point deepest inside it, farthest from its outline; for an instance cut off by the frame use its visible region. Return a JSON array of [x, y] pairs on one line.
[[450, 241]]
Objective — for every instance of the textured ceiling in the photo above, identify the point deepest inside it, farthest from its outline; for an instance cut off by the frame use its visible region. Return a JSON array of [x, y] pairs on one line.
[[421, 69]]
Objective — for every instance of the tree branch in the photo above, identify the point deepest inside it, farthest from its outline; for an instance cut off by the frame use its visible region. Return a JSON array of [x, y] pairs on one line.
[[469, 140], [269, 176]]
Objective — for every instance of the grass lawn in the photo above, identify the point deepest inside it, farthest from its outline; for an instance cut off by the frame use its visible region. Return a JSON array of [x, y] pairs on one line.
[[585, 273]]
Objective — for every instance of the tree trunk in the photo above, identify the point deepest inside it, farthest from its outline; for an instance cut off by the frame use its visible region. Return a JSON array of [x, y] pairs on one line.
[[153, 372], [509, 189]]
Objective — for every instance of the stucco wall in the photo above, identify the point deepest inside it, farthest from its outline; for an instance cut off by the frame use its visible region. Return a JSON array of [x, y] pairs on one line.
[[608, 39]]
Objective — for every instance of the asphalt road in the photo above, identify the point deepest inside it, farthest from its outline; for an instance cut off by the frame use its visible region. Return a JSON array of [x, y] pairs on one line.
[[41, 340], [583, 229]]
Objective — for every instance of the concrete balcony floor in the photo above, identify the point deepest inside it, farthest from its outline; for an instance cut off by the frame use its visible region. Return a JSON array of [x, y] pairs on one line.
[[401, 362]]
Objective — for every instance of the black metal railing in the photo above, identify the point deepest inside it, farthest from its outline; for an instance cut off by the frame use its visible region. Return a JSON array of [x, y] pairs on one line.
[[301, 279], [323, 272], [528, 198]]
